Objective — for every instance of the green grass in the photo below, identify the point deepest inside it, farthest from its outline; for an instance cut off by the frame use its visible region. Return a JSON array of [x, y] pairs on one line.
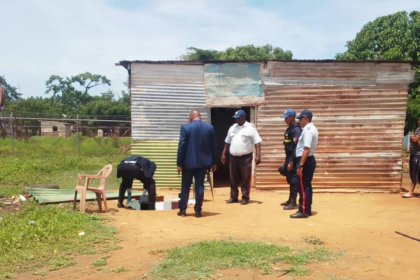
[[313, 240], [43, 145], [50, 242], [120, 269], [200, 260], [101, 261]]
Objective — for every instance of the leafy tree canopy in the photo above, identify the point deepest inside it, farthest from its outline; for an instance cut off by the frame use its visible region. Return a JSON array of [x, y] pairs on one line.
[[240, 53]]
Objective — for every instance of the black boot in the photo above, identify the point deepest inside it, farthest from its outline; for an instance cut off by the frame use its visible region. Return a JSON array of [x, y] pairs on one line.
[[298, 215], [285, 203], [291, 205]]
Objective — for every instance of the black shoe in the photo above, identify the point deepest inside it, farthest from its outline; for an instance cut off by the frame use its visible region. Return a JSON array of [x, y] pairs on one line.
[[309, 213], [244, 201], [120, 205], [285, 203], [182, 213], [299, 215], [290, 206], [198, 215], [232, 200]]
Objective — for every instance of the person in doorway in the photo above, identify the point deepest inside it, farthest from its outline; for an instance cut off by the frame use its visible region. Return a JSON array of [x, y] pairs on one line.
[[414, 160], [196, 155], [291, 136], [306, 163], [240, 141], [142, 169]]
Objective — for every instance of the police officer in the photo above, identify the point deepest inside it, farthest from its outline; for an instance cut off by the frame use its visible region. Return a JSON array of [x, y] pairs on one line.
[[142, 169], [240, 141], [306, 163], [291, 137]]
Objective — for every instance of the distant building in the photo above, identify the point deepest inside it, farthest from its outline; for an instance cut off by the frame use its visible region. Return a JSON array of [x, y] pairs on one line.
[[50, 128]]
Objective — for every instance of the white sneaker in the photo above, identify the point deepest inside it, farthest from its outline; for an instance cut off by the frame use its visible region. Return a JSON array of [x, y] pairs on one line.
[[407, 195]]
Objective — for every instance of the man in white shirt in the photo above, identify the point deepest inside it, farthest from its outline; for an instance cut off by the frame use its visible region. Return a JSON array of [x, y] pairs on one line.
[[306, 163], [240, 141]]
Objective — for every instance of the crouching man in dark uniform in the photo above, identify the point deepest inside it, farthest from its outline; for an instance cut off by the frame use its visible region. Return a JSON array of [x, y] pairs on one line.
[[291, 137], [142, 169]]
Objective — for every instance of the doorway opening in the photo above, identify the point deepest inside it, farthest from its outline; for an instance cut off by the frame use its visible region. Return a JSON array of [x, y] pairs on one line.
[[221, 119]]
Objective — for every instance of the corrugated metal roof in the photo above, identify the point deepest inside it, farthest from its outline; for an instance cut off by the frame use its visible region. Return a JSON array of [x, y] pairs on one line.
[[125, 63], [360, 126]]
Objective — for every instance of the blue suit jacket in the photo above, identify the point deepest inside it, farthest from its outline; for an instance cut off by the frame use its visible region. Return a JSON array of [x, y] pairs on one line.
[[197, 145]]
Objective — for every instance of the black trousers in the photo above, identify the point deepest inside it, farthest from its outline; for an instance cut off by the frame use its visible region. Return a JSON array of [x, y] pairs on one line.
[[292, 180], [240, 174], [305, 190], [128, 173]]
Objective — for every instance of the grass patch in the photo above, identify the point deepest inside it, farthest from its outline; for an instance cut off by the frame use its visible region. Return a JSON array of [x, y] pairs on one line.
[[111, 247], [314, 240], [155, 252], [333, 277], [50, 240], [120, 269], [40, 273], [200, 260], [101, 261], [296, 270]]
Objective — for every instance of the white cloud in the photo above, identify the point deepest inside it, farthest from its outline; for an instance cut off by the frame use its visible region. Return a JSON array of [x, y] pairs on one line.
[[42, 37]]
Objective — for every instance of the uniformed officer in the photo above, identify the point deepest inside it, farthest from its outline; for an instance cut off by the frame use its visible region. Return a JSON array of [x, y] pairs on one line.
[[291, 137], [142, 169], [240, 141], [306, 163]]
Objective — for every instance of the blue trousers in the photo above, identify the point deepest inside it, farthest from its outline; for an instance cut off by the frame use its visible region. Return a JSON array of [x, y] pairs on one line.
[[292, 179], [187, 176], [305, 190]]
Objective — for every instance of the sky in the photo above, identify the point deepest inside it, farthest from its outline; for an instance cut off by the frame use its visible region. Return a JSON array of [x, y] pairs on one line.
[[40, 38]]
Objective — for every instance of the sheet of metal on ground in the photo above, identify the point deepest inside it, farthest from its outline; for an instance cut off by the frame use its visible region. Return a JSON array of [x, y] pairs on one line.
[[233, 84], [162, 96], [359, 110]]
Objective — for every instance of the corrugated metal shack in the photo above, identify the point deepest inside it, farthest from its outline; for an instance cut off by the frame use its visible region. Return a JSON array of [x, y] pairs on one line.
[[359, 109]]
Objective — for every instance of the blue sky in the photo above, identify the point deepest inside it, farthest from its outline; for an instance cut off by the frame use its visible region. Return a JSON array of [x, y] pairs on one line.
[[65, 38]]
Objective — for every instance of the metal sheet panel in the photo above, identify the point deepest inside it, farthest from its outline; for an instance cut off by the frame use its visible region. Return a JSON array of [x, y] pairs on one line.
[[360, 127], [163, 153], [233, 84], [161, 98]]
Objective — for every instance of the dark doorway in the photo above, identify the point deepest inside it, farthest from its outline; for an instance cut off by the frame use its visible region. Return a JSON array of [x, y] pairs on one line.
[[221, 119]]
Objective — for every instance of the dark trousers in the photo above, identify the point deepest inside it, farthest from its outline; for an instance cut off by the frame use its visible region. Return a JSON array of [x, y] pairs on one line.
[[305, 190], [187, 176], [240, 174], [129, 172], [292, 180]]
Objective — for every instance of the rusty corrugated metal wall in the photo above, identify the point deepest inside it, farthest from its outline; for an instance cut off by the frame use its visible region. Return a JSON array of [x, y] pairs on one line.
[[359, 110], [162, 96]]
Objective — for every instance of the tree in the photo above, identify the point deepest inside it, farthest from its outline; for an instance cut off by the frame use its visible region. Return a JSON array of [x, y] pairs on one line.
[[391, 37], [240, 53], [11, 92], [64, 90]]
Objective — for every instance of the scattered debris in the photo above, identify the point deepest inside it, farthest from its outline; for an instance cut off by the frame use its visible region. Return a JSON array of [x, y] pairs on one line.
[[81, 233], [31, 223]]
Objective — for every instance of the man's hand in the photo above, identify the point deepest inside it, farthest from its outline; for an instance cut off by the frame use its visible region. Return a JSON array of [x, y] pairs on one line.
[[214, 168], [299, 171], [223, 159], [289, 166], [179, 168], [257, 160]]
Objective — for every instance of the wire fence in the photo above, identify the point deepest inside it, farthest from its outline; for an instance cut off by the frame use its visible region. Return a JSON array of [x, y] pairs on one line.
[[86, 136]]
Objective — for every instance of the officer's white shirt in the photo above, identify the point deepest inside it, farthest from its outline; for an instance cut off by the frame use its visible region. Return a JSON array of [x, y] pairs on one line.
[[242, 139], [308, 139]]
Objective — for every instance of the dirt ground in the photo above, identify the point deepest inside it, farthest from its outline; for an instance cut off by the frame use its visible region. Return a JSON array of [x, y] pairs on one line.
[[361, 225]]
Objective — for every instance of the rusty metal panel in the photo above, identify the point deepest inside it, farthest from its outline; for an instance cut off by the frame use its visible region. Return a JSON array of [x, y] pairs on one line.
[[162, 96], [233, 84], [360, 127]]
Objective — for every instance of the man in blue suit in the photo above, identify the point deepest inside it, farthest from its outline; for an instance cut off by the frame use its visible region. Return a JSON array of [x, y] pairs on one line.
[[196, 154]]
